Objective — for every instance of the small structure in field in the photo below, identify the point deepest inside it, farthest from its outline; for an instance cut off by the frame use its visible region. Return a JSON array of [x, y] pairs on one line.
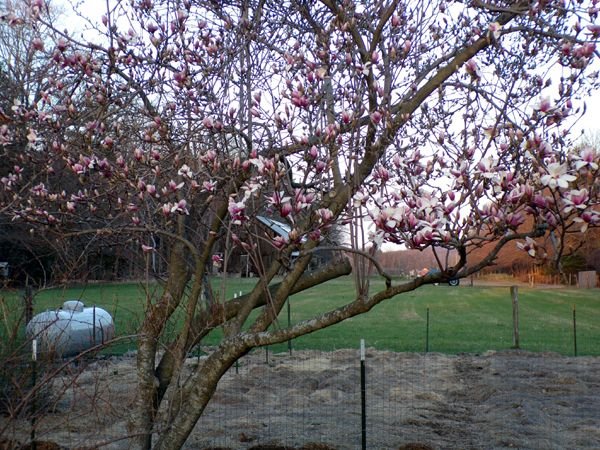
[[587, 279]]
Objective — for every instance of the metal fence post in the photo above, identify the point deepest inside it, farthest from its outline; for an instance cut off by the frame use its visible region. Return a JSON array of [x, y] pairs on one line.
[[363, 395], [34, 388]]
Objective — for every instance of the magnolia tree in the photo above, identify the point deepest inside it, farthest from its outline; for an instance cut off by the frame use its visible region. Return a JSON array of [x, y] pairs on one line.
[[175, 123]]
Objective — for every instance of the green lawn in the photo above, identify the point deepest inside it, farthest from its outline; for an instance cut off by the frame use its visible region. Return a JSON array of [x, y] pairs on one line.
[[463, 319]]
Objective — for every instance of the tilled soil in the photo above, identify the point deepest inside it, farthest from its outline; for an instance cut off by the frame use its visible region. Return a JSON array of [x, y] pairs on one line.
[[312, 400]]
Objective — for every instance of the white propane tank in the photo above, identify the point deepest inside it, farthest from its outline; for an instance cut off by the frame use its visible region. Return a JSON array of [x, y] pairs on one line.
[[71, 329]]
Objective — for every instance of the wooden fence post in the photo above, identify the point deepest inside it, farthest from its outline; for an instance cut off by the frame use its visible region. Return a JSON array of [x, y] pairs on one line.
[[514, 293]]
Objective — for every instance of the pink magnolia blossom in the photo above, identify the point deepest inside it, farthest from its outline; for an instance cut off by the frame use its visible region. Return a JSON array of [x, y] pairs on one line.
[[472, 69], [62, 45], [494, 29], [514, 196], [302, 200], [78, 168], [237, 211], [181, 78], [217, 260], [594, 30], [209, 186], [587, 158], [286, 209], [325, 215], [586, 219], [586, 50], [346, 117], [40, 190], [376, 117], [208, 157], [544, 105], [423, 236], [37, 44], [180, 207], [530, 246], [514, 220], [299, 99], [427, 203], [540, 201], [277, 199], [487, 167], [147, 248], [551, 218], [381, 174], [174, 186], [389, 218], [315, 235], [331, 131], [320, 166], [576, 199], [279, 242]]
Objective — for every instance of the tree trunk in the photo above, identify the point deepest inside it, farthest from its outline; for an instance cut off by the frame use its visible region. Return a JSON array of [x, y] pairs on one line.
[[197, 392], [142, 419], [157, 314]]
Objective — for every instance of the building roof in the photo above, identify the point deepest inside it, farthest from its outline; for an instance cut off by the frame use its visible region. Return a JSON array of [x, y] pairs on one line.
[[280, 228]]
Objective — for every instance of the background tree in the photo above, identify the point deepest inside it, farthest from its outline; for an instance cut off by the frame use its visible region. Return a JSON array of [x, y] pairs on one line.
[[433, 125], [24, 74]]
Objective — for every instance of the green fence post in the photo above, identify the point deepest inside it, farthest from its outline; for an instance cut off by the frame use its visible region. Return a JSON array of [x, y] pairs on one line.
[[289, 314], [427, 332], [574, 331]]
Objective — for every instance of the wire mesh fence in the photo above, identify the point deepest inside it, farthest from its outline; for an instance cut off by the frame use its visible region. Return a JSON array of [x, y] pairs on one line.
[[312, 399]]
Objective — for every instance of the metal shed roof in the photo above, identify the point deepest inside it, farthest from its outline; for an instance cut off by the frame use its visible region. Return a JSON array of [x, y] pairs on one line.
[[280, 228]]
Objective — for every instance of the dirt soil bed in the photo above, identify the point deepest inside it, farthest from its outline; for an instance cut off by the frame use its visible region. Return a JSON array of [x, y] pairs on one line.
[[498, 400]]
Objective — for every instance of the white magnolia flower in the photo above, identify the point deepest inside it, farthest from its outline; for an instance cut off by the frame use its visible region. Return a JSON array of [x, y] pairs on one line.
[[557, 176], [185, 171], [359, 199], [378, 238]]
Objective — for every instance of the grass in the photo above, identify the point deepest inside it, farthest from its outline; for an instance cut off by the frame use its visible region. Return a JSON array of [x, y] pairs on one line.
[[463, 319]]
